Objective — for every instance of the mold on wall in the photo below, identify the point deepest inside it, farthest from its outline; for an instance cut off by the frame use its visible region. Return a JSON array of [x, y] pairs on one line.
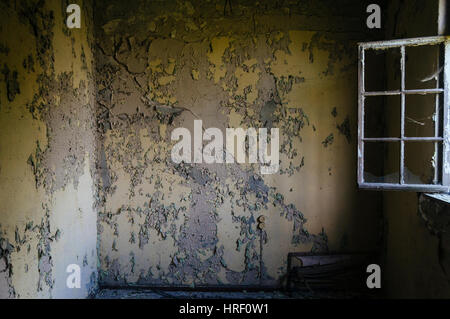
[[47, 151], [163, 64]]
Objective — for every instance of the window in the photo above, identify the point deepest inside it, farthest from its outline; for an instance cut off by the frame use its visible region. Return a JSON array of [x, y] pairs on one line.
[[403, 119]]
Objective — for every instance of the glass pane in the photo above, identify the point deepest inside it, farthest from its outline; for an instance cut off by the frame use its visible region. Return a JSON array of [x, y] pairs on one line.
[[420, 115], [381, 162], [419, 162], [382, 70], [423, 67], [382, 116]]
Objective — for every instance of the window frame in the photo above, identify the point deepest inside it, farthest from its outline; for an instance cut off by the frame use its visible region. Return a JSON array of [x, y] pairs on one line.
[[444, 156]]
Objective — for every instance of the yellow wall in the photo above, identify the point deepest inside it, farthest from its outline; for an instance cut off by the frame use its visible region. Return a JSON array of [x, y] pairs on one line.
[[47, 140], [167, 224]]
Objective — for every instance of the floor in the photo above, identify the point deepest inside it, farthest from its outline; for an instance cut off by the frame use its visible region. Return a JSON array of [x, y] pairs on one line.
[[131, 293]]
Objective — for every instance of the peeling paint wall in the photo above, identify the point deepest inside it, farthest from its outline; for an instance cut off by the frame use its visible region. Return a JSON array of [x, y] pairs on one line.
[[163, 64], [47, 151], [415, 261]]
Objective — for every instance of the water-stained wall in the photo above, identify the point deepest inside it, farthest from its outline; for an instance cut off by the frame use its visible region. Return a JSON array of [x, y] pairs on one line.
[[163, 64], [47, 151]]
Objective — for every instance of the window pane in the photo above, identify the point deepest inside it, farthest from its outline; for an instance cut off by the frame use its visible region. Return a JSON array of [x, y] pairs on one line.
[[420, 115], [419, 74], [382, 70], [382, 116], [419, 162], [381, 162]]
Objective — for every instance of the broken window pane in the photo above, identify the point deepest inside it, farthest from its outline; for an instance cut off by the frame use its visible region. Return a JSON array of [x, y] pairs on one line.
[[420, 75], [382, 70], [419, 162], [381, 162], [420, 115], [382, 116]]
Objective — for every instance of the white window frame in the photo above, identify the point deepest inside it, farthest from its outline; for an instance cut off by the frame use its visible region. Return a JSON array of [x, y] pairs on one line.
[[441, 157]]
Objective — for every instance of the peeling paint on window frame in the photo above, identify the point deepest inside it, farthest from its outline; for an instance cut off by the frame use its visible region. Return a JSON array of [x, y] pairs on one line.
[[441, 157]]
